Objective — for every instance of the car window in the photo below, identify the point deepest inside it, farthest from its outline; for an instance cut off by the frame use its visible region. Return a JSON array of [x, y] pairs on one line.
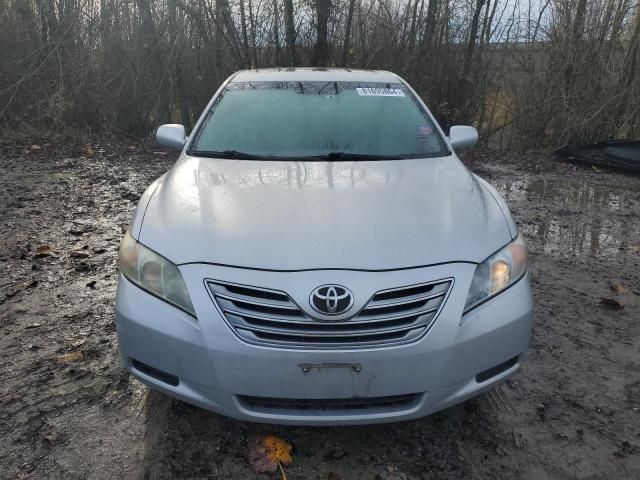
[[308, 119]]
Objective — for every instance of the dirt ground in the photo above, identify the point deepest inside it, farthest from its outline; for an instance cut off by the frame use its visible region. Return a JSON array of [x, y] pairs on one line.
[[68, 410]]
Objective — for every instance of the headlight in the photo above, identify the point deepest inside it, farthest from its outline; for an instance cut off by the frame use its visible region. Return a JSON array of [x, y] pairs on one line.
[[499, 271], [153, 273]]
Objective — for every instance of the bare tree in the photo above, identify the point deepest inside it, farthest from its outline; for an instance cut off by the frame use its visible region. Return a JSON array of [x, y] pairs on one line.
[[527, 73]]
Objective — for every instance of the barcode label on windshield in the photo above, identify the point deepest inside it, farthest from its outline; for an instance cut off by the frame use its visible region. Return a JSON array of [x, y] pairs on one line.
[[380, 92]]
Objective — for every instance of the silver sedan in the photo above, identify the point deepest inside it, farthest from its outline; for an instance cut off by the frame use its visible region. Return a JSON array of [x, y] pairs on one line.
[[319, 255]]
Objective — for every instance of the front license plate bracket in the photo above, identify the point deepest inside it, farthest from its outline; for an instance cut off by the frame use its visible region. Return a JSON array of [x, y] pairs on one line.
[[309, 367]]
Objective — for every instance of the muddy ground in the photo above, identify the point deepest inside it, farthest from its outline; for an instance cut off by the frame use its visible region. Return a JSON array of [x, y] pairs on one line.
[[68, 410]]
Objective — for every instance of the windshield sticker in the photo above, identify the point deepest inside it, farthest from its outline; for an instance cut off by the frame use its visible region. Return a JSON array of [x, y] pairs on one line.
[[424, 133], [380, 92]]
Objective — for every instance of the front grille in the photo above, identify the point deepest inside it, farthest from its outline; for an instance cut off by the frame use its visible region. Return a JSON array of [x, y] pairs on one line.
[[271, 317], [395, 402]]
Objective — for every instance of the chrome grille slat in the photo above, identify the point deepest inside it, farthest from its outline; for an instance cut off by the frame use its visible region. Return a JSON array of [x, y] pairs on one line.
[[406, 309], [256, 292], [332, 323], [255, 302], [407, 291], [407, 301], [271, 317], [328, 342], [320, 333], [274, 310], [268, 318]]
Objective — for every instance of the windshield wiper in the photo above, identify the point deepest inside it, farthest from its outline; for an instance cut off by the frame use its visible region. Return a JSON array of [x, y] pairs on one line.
[[344, 156], [236, 155], [331, 156]]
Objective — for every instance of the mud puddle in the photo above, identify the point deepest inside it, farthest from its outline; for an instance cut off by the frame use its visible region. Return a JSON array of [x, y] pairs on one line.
[[68, 410], [596, 219]]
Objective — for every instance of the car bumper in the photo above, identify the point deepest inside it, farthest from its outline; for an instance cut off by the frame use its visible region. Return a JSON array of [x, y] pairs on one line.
[[204, 363]]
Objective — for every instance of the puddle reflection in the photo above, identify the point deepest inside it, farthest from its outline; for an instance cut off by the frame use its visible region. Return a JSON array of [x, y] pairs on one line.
[[575, 217]]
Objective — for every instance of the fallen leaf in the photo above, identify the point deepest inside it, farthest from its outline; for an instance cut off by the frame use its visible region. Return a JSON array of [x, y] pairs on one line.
[[33, 283], [33, 325], [35, 147], [7, 397], [259, 458], [88, 151], [611, 302], [279, 450], [267, 454], [617, 287], [79, 254], [77, 343], [50, 440], [44, 251], [72, 357]]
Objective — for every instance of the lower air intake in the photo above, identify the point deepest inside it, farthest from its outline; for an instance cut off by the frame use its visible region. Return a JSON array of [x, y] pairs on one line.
[[395, 402]]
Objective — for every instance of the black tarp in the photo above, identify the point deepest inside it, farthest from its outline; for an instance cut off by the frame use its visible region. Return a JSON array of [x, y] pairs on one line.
[[619, 154]]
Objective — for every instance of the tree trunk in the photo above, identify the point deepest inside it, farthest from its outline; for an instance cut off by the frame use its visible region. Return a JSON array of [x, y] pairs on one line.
[[276, 32], [632, 56], [245, 36], [290, 34], [322, 44], [218, 38], [154, 52], [347, 33], [430, 26], [252, 28], [414, 25], [473, 36]]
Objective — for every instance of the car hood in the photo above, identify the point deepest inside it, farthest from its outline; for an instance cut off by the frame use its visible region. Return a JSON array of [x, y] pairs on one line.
[[281, 215]]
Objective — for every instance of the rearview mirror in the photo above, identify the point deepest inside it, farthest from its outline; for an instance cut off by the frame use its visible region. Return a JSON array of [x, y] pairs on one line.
[[462, 136], [171, 135]]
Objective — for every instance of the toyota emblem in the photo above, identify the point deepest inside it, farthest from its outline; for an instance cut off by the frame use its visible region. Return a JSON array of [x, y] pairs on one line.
[[331, 299]]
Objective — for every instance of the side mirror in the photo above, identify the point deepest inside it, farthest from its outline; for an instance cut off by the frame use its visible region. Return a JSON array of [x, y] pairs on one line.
[[462, 137], [171, 135]]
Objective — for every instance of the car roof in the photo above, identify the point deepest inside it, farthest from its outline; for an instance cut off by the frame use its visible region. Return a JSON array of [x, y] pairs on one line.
[[314, 74]]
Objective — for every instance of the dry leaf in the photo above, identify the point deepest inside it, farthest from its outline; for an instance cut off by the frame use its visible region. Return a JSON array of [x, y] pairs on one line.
[[279, 450], [72, 357], [611, 302], [88, 151], [617, 287], [43, 251], [267, 454], [259, 457], [35, 147], [79, 254]]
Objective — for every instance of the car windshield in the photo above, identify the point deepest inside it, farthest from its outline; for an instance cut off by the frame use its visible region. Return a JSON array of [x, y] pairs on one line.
[[331, 120]]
